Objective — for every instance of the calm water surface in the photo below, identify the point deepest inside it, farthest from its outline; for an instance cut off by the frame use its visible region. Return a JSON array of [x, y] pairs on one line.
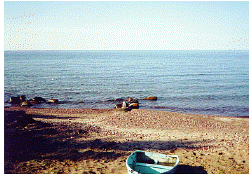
[[203, 82]]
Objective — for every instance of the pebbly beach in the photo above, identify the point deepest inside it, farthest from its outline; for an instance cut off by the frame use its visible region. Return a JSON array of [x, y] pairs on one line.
[[43, 140], [126, 87]]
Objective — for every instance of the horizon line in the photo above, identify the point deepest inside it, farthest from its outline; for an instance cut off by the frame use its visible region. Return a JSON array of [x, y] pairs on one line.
[[128, 50]]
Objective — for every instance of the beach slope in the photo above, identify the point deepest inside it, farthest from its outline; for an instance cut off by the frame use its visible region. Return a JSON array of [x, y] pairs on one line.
[[100, 140]]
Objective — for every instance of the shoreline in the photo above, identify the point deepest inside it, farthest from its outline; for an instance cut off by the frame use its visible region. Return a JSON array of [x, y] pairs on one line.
[[144, 103], [152, 108], [204, 143]]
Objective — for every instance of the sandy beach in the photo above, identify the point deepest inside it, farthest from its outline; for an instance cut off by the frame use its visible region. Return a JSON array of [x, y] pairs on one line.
[[100, 140]]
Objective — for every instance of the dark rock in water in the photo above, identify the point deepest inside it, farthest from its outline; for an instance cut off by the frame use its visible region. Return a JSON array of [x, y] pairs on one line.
[[26, 103], [18, 99], [134, 105], [15, 100], [125, 106], [22, 98], [134, 101], [129, 99], [118, 106], [53, 101], [150, 98], [39, 99], [122, 107]]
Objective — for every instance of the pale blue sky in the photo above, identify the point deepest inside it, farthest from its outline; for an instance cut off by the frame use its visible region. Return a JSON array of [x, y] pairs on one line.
[[128, 25]]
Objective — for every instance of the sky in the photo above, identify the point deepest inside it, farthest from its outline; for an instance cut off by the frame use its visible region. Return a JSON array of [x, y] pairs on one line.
[[126, 25]]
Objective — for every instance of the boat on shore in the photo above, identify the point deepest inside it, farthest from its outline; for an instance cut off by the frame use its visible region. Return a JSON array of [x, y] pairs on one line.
[[141, 162]]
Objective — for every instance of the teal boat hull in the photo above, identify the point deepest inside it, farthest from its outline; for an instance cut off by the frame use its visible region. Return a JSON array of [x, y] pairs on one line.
[[141, 162]]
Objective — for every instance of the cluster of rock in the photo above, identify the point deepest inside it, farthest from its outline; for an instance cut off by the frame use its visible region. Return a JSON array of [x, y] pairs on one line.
[[126, 105], [130, 103], [21, 100]]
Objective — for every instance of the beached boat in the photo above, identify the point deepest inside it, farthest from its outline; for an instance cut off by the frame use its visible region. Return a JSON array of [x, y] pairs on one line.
[[141, 162]]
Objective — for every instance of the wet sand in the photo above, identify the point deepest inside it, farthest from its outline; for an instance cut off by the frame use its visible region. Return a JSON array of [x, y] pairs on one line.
[[100, 140]]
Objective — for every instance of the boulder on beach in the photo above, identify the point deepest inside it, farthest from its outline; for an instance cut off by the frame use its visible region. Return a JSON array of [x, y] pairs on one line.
[[53, 101], [134, 105], [150, 98]]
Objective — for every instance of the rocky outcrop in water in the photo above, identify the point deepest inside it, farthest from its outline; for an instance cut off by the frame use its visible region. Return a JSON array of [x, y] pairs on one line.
[[150, 98], [127, 105], [124, 105], [18, 99], [134, 105], [21, 101], [39, 99], [134, 101], [118, 106], [129, 100]]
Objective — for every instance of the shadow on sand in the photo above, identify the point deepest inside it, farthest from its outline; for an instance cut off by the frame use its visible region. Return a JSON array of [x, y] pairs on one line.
[[26, 139]]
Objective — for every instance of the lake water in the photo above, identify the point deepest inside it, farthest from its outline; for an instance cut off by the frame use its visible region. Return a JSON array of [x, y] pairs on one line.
[[199, 82]]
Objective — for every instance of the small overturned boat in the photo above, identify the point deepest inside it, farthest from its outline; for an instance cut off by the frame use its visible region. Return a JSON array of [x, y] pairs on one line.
[[141, 162]]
